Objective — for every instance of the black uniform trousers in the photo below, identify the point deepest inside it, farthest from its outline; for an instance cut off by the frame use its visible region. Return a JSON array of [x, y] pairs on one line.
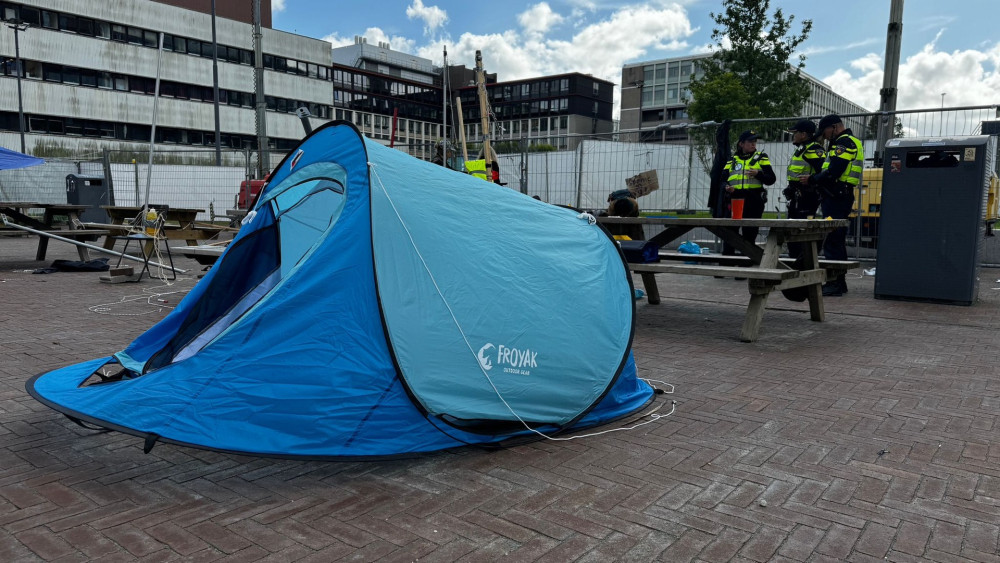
[[753, 208], [801, 206], [835, 244]]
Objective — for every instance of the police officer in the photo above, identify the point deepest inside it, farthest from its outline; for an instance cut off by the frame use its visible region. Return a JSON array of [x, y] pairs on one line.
[[748, 172], [836, 183], [807, 159]]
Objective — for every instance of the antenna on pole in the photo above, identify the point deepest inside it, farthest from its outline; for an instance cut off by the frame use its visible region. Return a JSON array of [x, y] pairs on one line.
[[444, 104], [890, 77]]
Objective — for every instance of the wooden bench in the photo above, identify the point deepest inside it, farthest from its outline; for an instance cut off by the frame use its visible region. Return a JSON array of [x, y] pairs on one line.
[[762, 281], [648, 270], [833, 267]]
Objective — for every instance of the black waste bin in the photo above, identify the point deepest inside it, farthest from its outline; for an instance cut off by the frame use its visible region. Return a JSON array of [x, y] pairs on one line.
[[91, 191], [933, 218]]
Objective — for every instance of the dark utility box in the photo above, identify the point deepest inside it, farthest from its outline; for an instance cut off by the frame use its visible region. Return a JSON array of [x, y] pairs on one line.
[[92, 192], [933, 218]]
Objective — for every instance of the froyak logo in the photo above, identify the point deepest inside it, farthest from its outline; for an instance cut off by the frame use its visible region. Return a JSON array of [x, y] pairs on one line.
[[513, 360]]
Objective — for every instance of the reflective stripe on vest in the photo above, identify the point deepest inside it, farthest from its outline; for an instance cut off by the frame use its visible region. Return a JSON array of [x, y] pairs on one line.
[[798, 165], [477, 168], [737, 171], [854, 157]]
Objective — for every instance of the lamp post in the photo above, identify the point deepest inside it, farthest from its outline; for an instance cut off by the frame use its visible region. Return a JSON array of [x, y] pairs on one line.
[[639, 84], [18, 25], [941, 125]]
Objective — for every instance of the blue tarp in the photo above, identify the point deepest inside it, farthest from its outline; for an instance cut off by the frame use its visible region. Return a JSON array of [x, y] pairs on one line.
[[12, 159], [378, 305]]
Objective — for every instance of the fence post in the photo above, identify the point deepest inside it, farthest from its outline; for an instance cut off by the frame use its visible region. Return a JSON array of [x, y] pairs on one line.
[[108, 180], [524, 167], [579, 176], [135, 168], [687, 199]]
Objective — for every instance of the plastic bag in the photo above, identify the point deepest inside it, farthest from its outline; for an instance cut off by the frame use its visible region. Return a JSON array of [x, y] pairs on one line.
[[688, 247]]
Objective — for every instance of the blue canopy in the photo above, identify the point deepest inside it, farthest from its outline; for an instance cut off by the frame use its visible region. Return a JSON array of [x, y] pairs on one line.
[[375, 304], [12, 159]]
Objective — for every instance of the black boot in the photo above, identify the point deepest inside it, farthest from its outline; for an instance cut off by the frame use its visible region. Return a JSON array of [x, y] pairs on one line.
[[832, 289]]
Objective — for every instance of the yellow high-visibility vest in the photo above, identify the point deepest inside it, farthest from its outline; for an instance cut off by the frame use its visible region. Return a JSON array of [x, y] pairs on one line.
[[737, 168], [477, 168], [855, 160], [798, 165]]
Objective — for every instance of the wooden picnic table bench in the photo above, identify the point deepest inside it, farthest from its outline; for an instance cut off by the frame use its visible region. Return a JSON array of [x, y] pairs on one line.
[[761, 266], [833, 267], [18, 212]]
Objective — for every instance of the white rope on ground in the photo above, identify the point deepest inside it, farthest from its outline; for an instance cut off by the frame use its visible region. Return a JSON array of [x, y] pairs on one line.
[[152, 296], [652, 413]]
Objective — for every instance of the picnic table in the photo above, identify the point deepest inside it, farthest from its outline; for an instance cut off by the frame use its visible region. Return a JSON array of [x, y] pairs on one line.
[[763, 267], [180, 224], [17, 212]]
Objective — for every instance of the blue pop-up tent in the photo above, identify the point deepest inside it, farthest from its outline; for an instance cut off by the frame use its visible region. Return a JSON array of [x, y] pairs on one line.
[[12, 159], [375, 304]]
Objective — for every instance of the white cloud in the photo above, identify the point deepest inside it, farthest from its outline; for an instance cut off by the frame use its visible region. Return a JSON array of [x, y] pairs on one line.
[[600, 48], [538, 19], [808, 51], [277, 5], [967, 77], [432, 16]]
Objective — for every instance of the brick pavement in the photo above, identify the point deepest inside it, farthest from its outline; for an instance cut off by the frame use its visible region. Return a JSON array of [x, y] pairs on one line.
[[797, 419]]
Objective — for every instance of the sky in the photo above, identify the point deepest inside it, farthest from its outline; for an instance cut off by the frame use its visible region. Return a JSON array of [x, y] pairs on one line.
[[948, 48]]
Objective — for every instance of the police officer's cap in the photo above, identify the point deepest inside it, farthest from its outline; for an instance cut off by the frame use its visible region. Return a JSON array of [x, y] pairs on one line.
[[829, 121], [749, 135], [804, 126]]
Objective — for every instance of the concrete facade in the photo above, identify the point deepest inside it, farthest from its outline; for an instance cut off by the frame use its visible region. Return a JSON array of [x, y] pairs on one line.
[[109, 66]]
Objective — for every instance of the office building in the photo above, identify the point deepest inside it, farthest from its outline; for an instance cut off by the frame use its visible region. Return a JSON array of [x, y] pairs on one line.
[[90, 73], [663, 85], [550, 110]]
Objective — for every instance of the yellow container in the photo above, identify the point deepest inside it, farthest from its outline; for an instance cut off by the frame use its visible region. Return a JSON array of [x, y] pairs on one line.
[[151, 217], [869, 201]]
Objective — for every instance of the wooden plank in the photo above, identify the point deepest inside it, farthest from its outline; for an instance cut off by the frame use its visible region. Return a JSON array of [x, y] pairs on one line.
[[77, 233], [649, 284], [755, 315], [722, 259], [774, 274]]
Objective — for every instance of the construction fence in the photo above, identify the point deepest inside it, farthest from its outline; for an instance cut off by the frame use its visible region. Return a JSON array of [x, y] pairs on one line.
[[583, 177], [682, 156]]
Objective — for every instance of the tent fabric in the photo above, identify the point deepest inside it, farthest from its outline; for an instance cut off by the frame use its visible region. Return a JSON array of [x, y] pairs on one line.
[[377, 305], [10, 160]]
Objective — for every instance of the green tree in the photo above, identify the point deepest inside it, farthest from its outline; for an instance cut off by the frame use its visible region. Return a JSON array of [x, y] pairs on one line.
[[720, 97], [754, 47], [871, 130]]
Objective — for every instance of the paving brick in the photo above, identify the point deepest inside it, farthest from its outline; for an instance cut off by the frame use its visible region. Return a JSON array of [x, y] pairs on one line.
[[838, 541], [772, 420], [912, 538], [45, 545], [875, 540]]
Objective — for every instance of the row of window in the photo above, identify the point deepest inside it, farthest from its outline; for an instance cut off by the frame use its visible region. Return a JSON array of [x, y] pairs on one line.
[[660, 95], [358, 82], [137, 36], [72, 127], [142, 85], [661, 73], [385, 105]]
